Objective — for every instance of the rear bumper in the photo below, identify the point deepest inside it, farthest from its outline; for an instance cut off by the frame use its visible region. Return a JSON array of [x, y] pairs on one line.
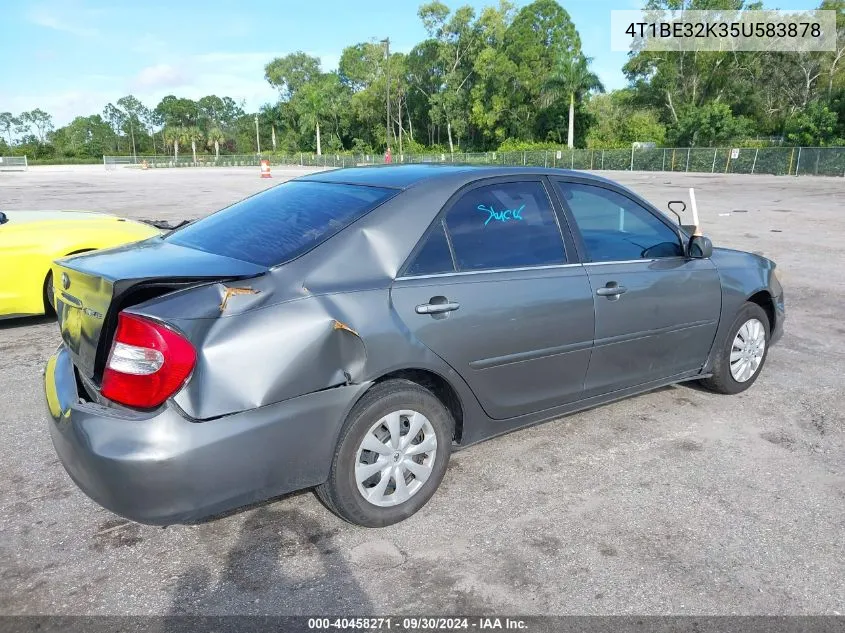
[[161, 468]]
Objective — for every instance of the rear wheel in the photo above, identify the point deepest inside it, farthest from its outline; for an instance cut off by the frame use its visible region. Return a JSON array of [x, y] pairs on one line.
[[738, 364], [391, 455]]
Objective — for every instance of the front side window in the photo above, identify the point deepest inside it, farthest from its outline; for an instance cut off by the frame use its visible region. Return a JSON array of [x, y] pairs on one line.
[[279, 224], [615, 228], [505, 225]]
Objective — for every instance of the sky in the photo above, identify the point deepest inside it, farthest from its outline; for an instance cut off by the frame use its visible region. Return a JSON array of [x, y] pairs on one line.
[[72, 57]]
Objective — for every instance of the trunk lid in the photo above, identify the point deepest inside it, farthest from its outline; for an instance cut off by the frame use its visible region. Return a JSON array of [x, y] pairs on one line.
[[90, 290]]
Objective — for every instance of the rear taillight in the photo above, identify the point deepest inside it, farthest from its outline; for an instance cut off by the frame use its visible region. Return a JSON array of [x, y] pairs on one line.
[[147, 364]]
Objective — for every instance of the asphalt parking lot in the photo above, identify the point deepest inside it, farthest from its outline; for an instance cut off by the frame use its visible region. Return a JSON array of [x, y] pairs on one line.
[[678, 501]]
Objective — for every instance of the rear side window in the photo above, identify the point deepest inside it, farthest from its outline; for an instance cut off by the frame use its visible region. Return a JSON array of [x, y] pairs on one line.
[[279, 224], [506, 225], [434, 256]]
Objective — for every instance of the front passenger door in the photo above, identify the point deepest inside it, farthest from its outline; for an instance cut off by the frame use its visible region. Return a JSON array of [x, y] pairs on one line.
[[656, 310]]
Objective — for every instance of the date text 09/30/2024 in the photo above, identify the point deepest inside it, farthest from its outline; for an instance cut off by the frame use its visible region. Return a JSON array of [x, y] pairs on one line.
[[418, 623]]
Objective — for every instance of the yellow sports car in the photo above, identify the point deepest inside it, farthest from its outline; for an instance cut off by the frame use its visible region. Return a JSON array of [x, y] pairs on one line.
[[31, 240]]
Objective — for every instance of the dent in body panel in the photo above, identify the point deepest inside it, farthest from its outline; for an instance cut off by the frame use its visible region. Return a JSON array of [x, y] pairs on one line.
[[301, 327], [264, 356]]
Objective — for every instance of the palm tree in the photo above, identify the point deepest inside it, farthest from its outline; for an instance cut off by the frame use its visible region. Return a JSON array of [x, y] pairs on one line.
[[311, 104], [570, 78], [194, 135], [175, 135], [215, 137]]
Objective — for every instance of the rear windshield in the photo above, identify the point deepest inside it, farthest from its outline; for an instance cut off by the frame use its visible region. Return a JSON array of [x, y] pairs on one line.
[[279, 224]]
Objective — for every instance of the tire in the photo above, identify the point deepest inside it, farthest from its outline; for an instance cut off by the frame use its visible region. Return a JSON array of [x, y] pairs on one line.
[[49, 297], [400, 404], [723, 379]]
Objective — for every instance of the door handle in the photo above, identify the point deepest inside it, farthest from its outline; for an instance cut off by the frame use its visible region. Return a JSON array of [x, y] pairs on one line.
[[437, 308], [612, 289]]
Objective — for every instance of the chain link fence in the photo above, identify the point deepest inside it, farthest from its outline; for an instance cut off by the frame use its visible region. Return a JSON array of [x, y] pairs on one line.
[[794, 161], [13, 163]]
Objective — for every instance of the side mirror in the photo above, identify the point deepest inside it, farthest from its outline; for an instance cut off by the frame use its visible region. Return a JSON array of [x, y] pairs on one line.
[[700, 247]]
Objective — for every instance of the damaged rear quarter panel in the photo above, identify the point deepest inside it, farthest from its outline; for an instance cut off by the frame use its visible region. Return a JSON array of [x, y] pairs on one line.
[[318, 322]]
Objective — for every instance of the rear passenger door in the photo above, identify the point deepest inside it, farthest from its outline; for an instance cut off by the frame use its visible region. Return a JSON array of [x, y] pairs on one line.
[[494, 291], [656, 310]]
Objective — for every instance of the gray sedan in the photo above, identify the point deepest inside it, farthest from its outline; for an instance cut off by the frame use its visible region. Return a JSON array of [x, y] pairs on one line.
[[349, 329]]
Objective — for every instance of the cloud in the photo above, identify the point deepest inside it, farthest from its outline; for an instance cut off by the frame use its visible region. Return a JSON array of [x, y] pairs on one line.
[[149, 44], [64, 106], [159, 76], [239, 75], [57, 18]]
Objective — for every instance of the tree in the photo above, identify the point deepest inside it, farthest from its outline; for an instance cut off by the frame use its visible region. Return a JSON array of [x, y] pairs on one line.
[[677, 81], [215, 136], [816, 125], [835, 60], [541, 39], [152, 121], [311, 103], [115, 118], [571, 78], [86, 136], [178, 111], [617, 122], [175, 135], [210, 111], [454, 44], [708, 125], [39, 119], [290, 73], [490, 96], [193, 135], [135, 114], [7, 124]]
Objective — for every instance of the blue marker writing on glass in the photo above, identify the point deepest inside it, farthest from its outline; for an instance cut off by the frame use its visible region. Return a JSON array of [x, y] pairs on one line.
[[501, 216]]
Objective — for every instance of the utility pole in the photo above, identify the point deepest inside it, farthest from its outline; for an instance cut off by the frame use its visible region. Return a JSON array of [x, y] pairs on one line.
[[257, 140], [386, 42]]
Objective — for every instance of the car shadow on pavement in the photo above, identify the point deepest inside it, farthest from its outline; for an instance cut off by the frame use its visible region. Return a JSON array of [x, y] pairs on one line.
[[16, 322], [283, 562]]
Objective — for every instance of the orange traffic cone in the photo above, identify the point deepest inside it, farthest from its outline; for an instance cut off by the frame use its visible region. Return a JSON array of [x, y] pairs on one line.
[[265, 169]]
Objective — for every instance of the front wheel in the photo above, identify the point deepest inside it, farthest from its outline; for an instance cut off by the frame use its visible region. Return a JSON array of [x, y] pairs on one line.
[[49, 296], [738, 364], [391, 456]]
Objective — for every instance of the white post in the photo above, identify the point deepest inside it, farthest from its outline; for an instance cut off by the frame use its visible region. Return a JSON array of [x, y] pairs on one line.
[[632, 158], [523, 158], [664, 160], [798, 162], [545, 158], [713, 168], [688, 151], [694, 207], [754, 164], [602, 160], [25, 163]]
